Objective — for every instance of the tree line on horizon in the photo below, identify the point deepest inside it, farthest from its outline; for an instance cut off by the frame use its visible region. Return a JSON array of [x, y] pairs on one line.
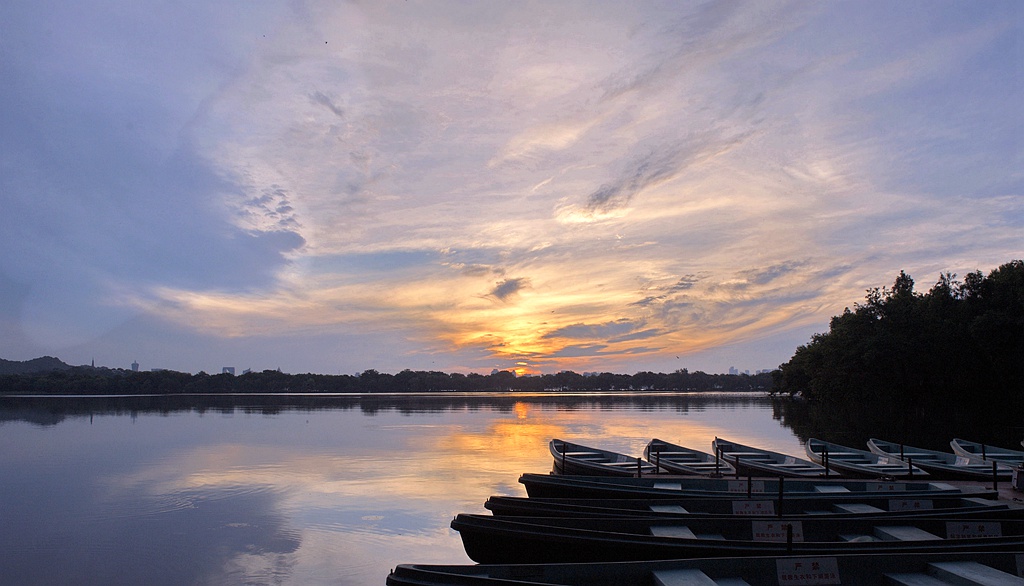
[[103, 381], [958, 347]]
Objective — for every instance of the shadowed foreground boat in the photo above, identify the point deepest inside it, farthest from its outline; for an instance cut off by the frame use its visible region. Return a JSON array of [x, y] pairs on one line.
[[935, 506], [552, 486], [489, 539], [940, 464], [573, 458], [863, 570], [758, 462], [681, 460], [854, 463]]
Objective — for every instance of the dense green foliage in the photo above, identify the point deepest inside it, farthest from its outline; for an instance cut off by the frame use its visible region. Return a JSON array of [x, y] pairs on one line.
[[104, 381], [960, 344]]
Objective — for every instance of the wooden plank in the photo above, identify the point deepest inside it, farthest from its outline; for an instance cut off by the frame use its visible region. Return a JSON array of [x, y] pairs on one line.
[[667, 509], [973, 573], [682, 577], [914, 579], [828, 488], [904, 533], [857, 508], [680, 531]]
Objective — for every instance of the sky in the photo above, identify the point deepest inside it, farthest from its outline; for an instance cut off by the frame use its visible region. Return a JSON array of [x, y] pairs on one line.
[[331, 187]]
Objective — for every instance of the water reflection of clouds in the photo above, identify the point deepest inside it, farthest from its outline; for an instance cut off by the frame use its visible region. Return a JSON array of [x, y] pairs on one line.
[[329, 496]]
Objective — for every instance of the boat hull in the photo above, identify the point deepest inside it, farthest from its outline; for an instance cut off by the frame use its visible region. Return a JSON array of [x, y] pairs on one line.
[[755, 571], [942, 465], [757, 462], [489, 539], [553, 486], [924, 506], [576, 459], [677, 459], [979, 452], [856, 463]]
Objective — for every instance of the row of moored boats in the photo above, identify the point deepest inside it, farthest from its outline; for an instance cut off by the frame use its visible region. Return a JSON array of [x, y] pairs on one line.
[[741, 515], [883, 459]]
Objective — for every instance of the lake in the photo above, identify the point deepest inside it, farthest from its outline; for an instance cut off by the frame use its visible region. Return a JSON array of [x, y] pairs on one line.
[[299, 489]]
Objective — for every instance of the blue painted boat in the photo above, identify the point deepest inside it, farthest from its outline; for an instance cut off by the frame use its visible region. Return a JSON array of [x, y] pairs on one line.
[[571, 458], [677, 459], [946, 465], [979, 452], [854, 463], [759, 462]]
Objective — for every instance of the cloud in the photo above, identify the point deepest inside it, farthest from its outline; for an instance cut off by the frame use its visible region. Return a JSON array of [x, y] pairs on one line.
[[656, 168], [594, 331], [673, 179], [508, 288], [325, 101], [640, 335]]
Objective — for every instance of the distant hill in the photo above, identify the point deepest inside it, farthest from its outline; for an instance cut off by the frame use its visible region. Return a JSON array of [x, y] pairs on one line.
[[36, 365]]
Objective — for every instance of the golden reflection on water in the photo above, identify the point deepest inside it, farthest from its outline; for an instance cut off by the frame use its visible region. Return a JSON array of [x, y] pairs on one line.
[[348, 494]]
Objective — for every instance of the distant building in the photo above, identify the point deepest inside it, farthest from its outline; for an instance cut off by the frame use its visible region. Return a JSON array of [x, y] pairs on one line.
[[135, 366], [733, 370], [228, 370]]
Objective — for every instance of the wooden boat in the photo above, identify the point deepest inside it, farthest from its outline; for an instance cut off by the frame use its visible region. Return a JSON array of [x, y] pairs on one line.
[[554, 486], [680, 460], [758, 462], [573, 458], [528, 540], [985, 453], [865, 570], [940, 464], [852, 462], [867, 507]]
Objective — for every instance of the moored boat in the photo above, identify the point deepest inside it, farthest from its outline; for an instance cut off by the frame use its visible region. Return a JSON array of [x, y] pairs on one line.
[[986, 453], [572, 458], [677, 459], [554, 486], [763, 506], [758, 462], [852, 462], [865, 570], [527, 540], [940, 464]]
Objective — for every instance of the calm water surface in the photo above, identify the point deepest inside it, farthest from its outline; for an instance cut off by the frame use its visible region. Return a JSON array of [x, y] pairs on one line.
[[297, 490]]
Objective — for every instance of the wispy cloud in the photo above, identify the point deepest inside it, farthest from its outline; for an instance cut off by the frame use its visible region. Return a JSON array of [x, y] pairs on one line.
[[596, 186], [507, 288]]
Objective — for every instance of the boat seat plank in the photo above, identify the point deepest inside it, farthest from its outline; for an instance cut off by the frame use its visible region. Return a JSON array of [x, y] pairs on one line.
[[682, 577], [857, 508], [668, 485], [857, 537], [830, 488], [668, 509], [914, 579], [904, 533], [972, 573], [680, 531]]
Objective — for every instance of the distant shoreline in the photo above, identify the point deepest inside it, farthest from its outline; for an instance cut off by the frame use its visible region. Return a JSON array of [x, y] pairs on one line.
[[57, 378]]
